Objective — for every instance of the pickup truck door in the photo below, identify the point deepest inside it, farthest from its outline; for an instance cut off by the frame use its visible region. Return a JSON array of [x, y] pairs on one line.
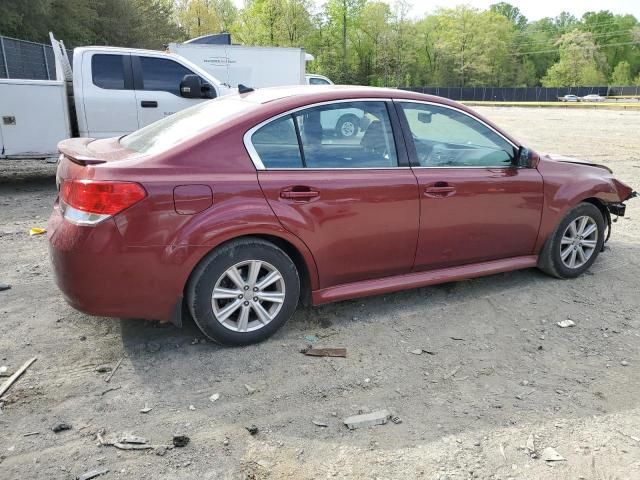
[[157, 88], [108, 98]]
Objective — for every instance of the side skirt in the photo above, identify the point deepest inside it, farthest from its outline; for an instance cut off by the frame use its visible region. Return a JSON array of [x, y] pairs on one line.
[[380, 286]]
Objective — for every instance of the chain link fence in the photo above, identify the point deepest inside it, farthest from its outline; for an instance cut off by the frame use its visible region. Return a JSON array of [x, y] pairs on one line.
[[27, 60]]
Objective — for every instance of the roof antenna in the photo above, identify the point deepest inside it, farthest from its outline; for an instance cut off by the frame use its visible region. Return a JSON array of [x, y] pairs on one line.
[[244, 89]]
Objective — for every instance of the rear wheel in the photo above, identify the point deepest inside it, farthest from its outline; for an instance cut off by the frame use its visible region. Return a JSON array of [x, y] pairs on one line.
[[243, 292], [348, 126], [575, 244]]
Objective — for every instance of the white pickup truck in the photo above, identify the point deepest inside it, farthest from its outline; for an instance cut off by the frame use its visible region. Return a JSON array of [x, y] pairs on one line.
[[113, 91], [110, 92]]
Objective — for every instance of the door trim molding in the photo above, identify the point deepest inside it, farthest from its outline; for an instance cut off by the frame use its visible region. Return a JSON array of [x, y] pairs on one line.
[[395, 283]]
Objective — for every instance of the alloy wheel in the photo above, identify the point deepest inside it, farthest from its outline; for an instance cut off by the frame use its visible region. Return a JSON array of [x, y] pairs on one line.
[[579, 242], [248, 296]]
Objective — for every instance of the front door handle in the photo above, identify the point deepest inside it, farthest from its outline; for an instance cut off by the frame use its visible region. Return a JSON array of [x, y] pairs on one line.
[[439, 189], [149, 104], [300, 195]]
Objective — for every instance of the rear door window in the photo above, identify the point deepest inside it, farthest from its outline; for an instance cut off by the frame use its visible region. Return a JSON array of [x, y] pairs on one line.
[[276, 144], [108, 71]]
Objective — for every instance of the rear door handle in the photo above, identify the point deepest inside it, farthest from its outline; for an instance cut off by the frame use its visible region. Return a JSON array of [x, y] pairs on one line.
[[440, 189], [149, 104], [299, 194]]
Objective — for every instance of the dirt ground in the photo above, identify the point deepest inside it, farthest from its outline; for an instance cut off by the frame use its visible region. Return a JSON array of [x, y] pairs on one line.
[[500, 371]]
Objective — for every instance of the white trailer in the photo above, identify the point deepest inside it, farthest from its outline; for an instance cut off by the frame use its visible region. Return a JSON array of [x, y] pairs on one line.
[[255, 67]]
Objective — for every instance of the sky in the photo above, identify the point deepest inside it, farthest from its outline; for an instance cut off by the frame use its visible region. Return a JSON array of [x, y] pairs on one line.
[[532, 9]]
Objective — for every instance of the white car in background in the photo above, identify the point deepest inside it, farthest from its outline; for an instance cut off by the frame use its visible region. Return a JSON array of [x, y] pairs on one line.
[[594, 97], [570, 98], [314, 79]]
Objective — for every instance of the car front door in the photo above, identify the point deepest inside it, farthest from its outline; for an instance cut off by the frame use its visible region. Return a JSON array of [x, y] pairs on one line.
[[476, 204], [353, 201], [157, 88]]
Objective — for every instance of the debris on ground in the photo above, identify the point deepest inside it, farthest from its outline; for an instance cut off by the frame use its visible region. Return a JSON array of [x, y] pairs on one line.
[[36, 231], [146, 409], [417, 351], [214, 397], [318, 423], [3, 371], [180, 441], [110, 390], [566, 323], [551, 455], [531, 446], [93, 474], [6, 385], [624, 363], [61, 427], [311, 338], [115, 369], [4, 286], [250, 389], [379, 417], [192, 407], [103, 368], [252, 429], [324, 352], [396, 419], [632, 437]]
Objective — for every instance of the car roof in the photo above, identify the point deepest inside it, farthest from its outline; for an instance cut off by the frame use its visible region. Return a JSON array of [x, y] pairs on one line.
[[320, 93]]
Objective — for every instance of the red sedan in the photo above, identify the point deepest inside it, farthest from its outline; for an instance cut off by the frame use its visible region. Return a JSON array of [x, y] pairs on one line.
[[236, 210]]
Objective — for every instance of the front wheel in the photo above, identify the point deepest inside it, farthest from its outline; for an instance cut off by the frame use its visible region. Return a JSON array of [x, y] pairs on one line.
[[243, 292], [575, 244]]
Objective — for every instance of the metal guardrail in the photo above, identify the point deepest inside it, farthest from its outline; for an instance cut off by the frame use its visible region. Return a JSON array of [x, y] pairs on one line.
[[26, 60]]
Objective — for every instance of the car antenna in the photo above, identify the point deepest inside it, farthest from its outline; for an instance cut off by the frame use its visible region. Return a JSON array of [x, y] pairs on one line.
[[244, 89]]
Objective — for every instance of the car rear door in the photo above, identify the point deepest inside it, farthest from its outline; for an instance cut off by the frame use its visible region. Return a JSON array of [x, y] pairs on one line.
[[157, 87], [475, 204], [107, 93], [353, 201]]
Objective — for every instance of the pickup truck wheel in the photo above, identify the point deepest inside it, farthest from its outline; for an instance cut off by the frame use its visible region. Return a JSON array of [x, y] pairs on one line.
[[575, 243], [348, 126], [243, 292]]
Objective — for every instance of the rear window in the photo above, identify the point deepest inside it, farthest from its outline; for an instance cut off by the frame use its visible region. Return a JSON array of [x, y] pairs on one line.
[[185, 124], [108, 71]]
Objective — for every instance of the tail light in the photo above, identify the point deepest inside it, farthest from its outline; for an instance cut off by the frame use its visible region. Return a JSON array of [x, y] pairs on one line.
[[88, 202]]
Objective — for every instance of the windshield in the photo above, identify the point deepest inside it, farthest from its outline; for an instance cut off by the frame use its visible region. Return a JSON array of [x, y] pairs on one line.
[[185, 124]]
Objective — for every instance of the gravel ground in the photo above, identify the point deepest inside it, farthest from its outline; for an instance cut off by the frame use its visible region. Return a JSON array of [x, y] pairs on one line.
[[500, 373]]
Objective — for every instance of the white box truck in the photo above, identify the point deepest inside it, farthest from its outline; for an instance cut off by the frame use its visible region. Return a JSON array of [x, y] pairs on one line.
[[256, 67]]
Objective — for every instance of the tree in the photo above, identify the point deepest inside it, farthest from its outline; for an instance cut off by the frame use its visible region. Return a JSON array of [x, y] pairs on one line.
[[621, 75], [580, 62], [513, 14]]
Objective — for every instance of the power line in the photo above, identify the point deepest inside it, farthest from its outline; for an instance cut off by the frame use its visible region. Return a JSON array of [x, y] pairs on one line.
[[577, 48]]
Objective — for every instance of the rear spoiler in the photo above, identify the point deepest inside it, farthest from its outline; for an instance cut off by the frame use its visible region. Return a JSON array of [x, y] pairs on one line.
[[75, 149]]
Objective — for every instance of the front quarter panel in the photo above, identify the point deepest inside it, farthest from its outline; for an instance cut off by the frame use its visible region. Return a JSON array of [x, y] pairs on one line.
[[568, 184]]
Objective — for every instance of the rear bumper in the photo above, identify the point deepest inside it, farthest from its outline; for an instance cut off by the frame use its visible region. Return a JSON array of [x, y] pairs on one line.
[[98, 274]]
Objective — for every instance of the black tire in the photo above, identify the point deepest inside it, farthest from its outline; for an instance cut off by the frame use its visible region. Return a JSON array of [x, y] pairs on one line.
[[343, 132], [211, 269], [550, 260]]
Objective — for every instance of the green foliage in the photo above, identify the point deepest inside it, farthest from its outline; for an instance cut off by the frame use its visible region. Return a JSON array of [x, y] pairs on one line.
[[621, 75], [581, 62], [371, 42]]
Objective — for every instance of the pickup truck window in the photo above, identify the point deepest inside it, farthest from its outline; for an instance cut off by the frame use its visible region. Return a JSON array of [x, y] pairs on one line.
[[161, 74], [182, 125], [107, 71]]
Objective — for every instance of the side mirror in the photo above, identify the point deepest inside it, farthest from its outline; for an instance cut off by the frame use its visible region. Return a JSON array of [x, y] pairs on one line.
[[192, 87], [424, 117], [523, 158]]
